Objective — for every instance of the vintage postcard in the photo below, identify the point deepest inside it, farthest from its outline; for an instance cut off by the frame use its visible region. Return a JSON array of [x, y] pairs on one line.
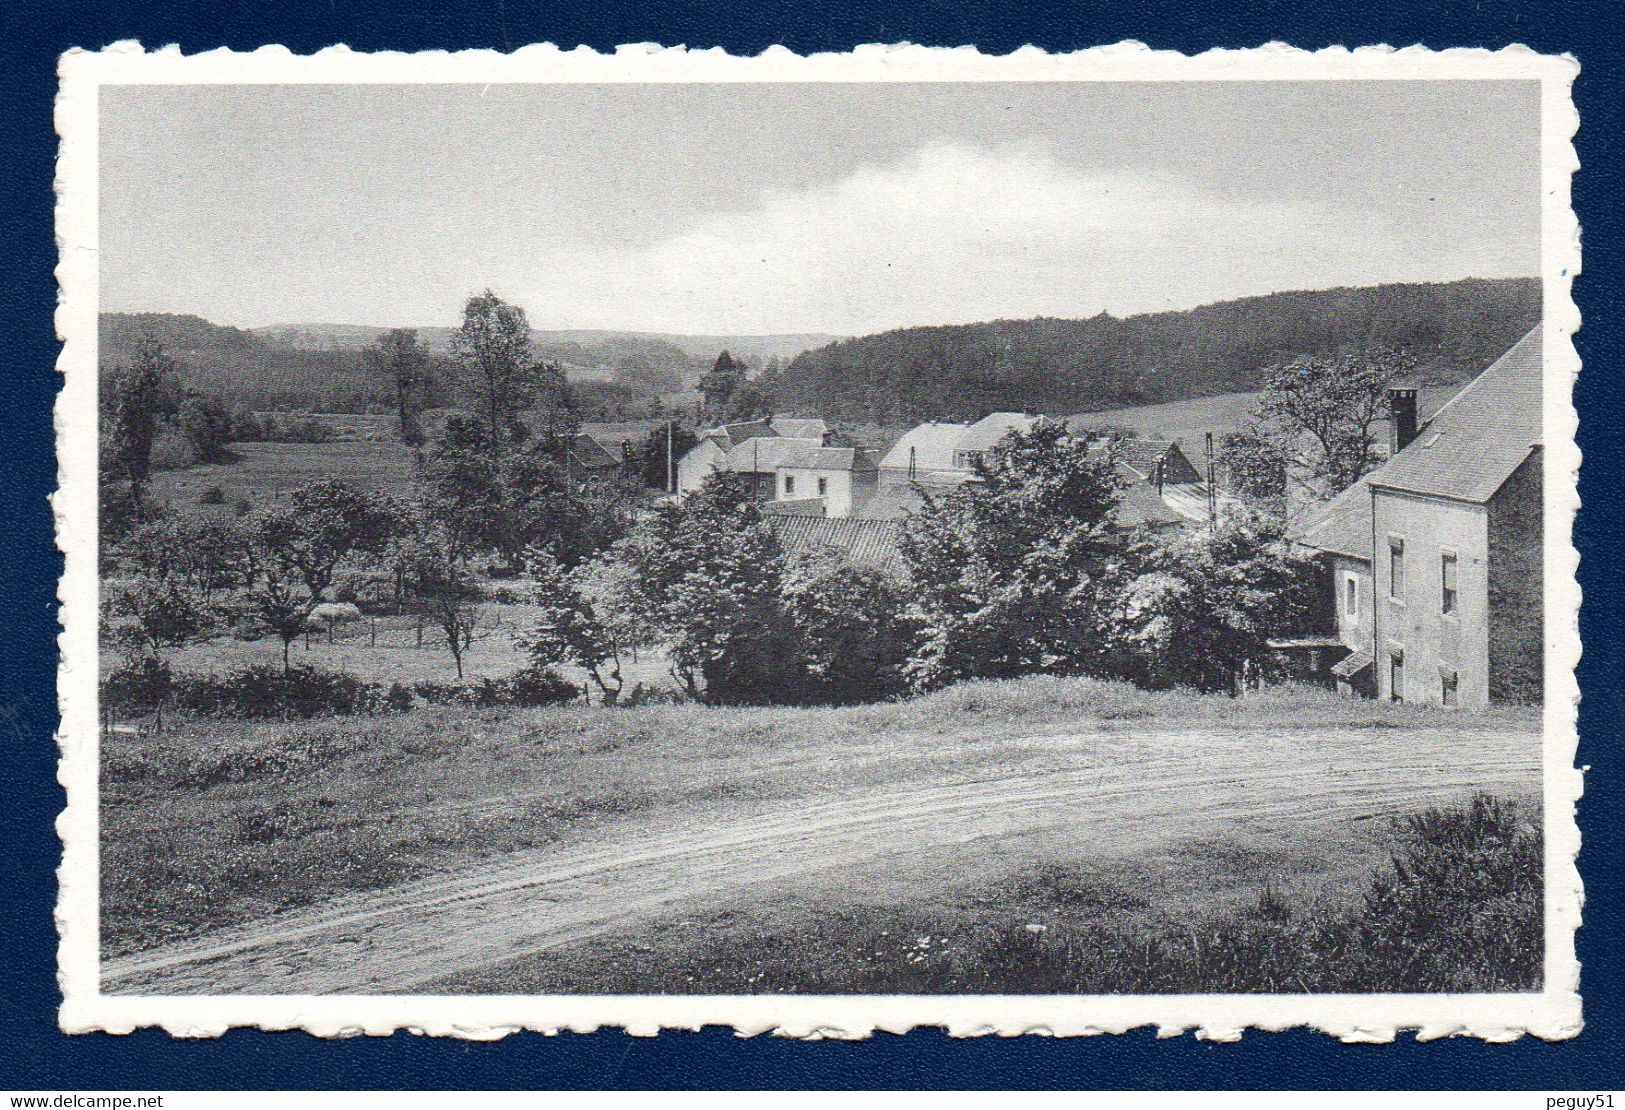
[[819, 545]]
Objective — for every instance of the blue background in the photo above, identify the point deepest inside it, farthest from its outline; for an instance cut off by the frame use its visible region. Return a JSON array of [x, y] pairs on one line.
[[33, 1056]]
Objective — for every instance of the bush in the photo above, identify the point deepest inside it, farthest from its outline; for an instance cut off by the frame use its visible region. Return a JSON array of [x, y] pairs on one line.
[[530, 687], [213, 495], [267, 691], [138, 688]]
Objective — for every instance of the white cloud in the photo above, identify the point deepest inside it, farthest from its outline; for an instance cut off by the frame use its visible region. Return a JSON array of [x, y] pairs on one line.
[[958, 233]]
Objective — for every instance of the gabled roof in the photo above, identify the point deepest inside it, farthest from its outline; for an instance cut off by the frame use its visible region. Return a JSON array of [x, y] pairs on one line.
[[797, 428], [870, 543], [1465, 453], [1474, 443], [832, 458], [589, 453], [765, 454], [732, 435], [987, 432], [1138, 505], [1143, 455], [932, 445], [1341, 526], [611, 434]]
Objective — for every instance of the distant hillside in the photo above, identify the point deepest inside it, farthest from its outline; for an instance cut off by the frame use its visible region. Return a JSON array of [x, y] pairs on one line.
[[585, 343], [1076, 366], [319, 366]]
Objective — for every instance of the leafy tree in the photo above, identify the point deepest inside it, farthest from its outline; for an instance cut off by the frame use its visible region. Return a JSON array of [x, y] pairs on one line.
[[569, 630], [1198, 608], [299, 548], [147, 615], [1004, 570], [207, 553], [445, 592], [134, 400], [1257, 460], [720, 382], [850, 629], [401, 363], [1321, 415], [503, 502], [494, 343], [709, 576], [206, 425], [750, 401]]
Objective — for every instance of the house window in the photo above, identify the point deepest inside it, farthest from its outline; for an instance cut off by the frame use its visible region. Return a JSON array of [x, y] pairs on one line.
[[823, 486], [1396, 568], [1396, 676], [1351, 596], [1448, 683], [789, 485], [1447, 582]]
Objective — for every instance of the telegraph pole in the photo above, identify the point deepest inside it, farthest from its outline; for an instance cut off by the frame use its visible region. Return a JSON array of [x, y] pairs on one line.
[[1212, 495], [671, 474]]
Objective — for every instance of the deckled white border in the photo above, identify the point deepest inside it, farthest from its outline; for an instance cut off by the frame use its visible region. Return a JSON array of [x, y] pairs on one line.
[[1553, 1014]]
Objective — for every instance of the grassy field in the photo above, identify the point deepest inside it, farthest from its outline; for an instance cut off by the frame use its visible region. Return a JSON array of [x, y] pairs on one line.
[[216, 823], [265, 472]]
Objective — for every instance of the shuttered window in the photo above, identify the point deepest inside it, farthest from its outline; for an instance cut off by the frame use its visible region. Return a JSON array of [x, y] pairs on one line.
[[1447, 582], [1396, 676], [1396, 568]]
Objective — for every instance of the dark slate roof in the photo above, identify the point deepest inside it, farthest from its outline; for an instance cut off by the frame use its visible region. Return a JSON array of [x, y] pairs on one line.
[[1469, 448], [831, 458], [870, 543], [1342, 525], [1474, 443], [611, 434], [765, 454], [1138, 503], [1143, 455], [591, 454]]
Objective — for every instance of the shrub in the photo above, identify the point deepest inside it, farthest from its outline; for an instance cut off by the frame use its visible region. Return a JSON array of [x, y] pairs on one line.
[[530, 687], [267, 691], [212, 495], [139, 687]]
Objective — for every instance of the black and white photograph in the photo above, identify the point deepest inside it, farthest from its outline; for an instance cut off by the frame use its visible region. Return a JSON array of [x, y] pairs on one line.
[[1004, 543]]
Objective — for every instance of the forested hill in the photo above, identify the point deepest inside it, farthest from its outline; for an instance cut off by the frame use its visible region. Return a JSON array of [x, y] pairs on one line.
[[1072, 366]]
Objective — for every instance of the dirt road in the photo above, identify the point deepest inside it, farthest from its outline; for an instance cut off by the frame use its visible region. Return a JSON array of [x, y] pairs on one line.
[[1119, 800]]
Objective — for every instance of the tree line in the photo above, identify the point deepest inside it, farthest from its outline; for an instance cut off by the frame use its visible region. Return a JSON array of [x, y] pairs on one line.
[[1448, 331]]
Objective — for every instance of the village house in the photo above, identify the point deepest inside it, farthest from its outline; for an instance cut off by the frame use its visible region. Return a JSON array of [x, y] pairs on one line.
[[1434, 559], [839, 479], [752, 448]]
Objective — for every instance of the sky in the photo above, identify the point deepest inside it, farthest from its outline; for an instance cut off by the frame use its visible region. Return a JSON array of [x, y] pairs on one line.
[[748, 209]]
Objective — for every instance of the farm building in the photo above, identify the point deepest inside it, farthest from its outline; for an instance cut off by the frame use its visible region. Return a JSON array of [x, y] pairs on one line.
[[1434, 559]]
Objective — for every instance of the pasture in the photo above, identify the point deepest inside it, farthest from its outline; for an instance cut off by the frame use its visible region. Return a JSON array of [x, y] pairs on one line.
[[266, 472]]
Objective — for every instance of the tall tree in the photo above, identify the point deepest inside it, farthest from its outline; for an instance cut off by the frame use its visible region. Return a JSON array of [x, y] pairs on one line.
[[1004, 571], [401, 363], [494, 342], [719, 384], [1322, 414], [134, 400]]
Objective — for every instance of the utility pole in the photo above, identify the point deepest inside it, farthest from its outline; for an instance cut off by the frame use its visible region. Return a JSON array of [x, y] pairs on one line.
[[671, 474], [1212, 495]]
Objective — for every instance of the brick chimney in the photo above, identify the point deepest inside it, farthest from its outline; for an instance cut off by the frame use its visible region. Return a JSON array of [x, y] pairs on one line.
[[1401, 417]]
